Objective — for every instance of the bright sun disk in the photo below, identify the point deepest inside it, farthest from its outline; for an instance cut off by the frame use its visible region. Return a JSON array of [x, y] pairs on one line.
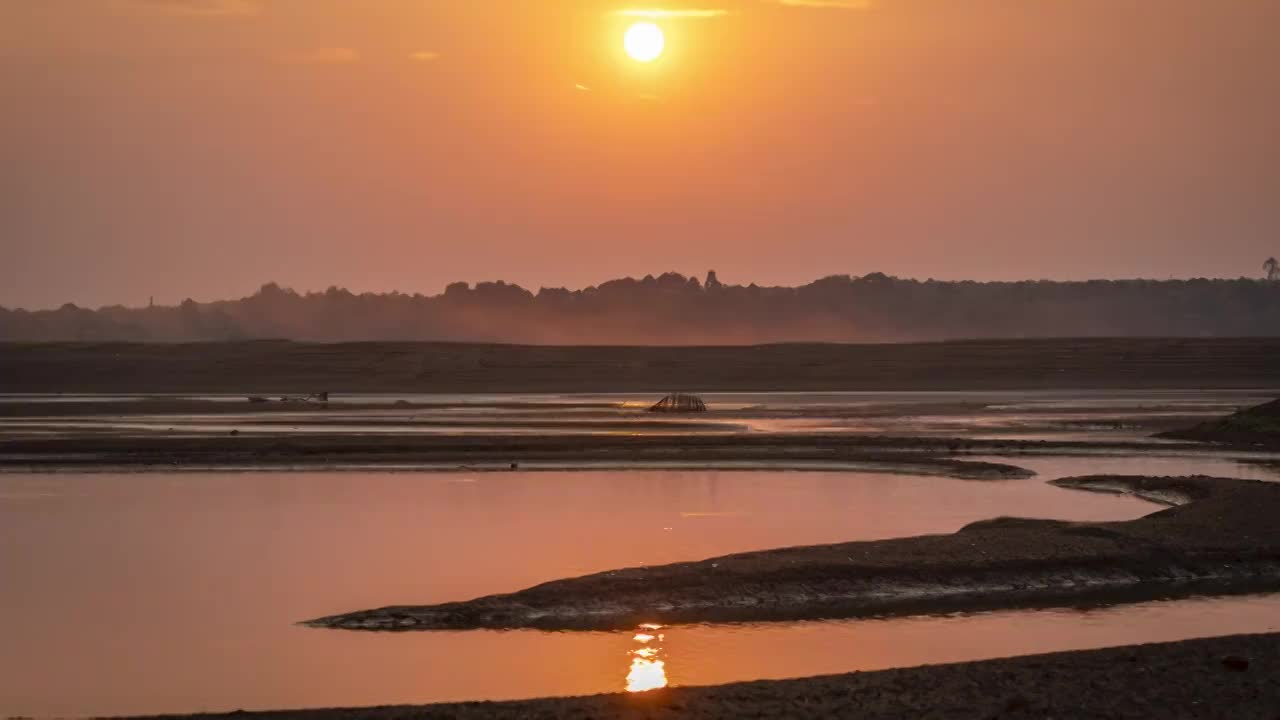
[[644, 42]]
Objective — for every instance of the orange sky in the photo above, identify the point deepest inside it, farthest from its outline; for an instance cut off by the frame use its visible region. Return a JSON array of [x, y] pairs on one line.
[[202, 147]]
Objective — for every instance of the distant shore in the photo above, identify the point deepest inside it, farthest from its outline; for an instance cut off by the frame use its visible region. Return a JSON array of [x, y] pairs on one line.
[[1235, 678], [274, 367]]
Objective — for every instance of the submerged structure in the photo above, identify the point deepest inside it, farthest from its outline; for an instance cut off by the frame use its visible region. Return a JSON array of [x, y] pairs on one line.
[[680, 403]]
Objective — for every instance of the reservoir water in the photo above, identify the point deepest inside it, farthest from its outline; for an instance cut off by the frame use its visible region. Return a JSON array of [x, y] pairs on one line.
[[171, 592]]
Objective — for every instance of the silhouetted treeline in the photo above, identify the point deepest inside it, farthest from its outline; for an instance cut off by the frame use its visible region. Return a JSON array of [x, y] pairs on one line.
[[673, 309]]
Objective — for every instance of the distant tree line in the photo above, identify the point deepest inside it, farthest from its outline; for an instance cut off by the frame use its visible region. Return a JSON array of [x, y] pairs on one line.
[[674, 309]]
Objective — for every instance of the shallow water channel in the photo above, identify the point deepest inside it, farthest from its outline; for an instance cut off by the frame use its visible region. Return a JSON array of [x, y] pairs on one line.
[[1129, 416], [164, 592]]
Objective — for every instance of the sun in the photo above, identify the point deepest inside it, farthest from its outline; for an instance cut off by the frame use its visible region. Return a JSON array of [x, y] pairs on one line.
[[644, 42]]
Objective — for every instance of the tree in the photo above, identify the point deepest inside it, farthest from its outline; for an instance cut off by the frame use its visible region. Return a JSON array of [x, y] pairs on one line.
[[1273, 269]]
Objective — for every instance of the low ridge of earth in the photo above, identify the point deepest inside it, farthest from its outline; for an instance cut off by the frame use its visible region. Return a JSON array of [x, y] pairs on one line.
[[1252, 427]]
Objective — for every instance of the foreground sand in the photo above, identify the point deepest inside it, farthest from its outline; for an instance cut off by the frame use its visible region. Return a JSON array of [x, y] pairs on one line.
[[1232, 677], [1220, 536]]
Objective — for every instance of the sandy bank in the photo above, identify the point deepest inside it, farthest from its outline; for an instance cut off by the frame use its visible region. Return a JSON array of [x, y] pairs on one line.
[[1222, 538]]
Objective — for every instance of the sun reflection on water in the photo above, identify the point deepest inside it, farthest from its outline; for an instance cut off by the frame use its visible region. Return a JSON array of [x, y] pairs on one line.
[[648, 670]]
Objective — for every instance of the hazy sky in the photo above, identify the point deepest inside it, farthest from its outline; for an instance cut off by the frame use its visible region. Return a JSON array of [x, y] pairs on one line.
[[203, 147]]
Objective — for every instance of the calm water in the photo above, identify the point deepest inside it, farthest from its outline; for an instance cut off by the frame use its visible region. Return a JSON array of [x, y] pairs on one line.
[[1050, 467], [144, 593]]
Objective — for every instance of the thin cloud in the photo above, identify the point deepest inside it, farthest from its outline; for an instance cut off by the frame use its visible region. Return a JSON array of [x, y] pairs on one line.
[[199, 8], [424, 56], [321, 56], [827, 4], [661, 14]]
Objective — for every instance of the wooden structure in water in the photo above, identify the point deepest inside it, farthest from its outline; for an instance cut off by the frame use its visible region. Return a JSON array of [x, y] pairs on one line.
[[680, 403]]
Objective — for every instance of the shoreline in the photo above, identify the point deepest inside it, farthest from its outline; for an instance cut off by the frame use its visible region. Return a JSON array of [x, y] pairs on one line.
[[1236, 677]]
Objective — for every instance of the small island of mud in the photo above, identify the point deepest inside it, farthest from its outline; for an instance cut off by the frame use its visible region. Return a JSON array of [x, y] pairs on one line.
[[1220, 535]]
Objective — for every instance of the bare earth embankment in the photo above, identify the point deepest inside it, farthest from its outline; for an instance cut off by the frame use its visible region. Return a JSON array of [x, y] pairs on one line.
[[405, 367], [1251, 427], [1220, 536], [1235, 678]]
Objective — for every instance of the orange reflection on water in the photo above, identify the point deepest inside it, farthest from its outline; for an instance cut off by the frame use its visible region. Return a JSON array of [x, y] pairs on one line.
[[646, 675], [648, 670]]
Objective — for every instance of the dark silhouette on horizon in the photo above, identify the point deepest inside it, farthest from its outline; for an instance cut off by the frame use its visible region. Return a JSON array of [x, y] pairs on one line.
[[1273, 269], [674, 309]]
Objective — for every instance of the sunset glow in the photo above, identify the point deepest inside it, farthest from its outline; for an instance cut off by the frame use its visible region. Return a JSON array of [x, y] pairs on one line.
[[648, 671], [392, 145], [639, 331], [644, 42]]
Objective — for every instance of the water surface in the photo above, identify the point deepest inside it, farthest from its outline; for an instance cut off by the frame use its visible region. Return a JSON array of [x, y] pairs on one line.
[[168, 592]]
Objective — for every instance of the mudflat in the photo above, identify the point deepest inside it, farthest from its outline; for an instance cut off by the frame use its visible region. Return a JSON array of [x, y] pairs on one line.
[[404, 367], [1219, 535], [1236, 678]]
